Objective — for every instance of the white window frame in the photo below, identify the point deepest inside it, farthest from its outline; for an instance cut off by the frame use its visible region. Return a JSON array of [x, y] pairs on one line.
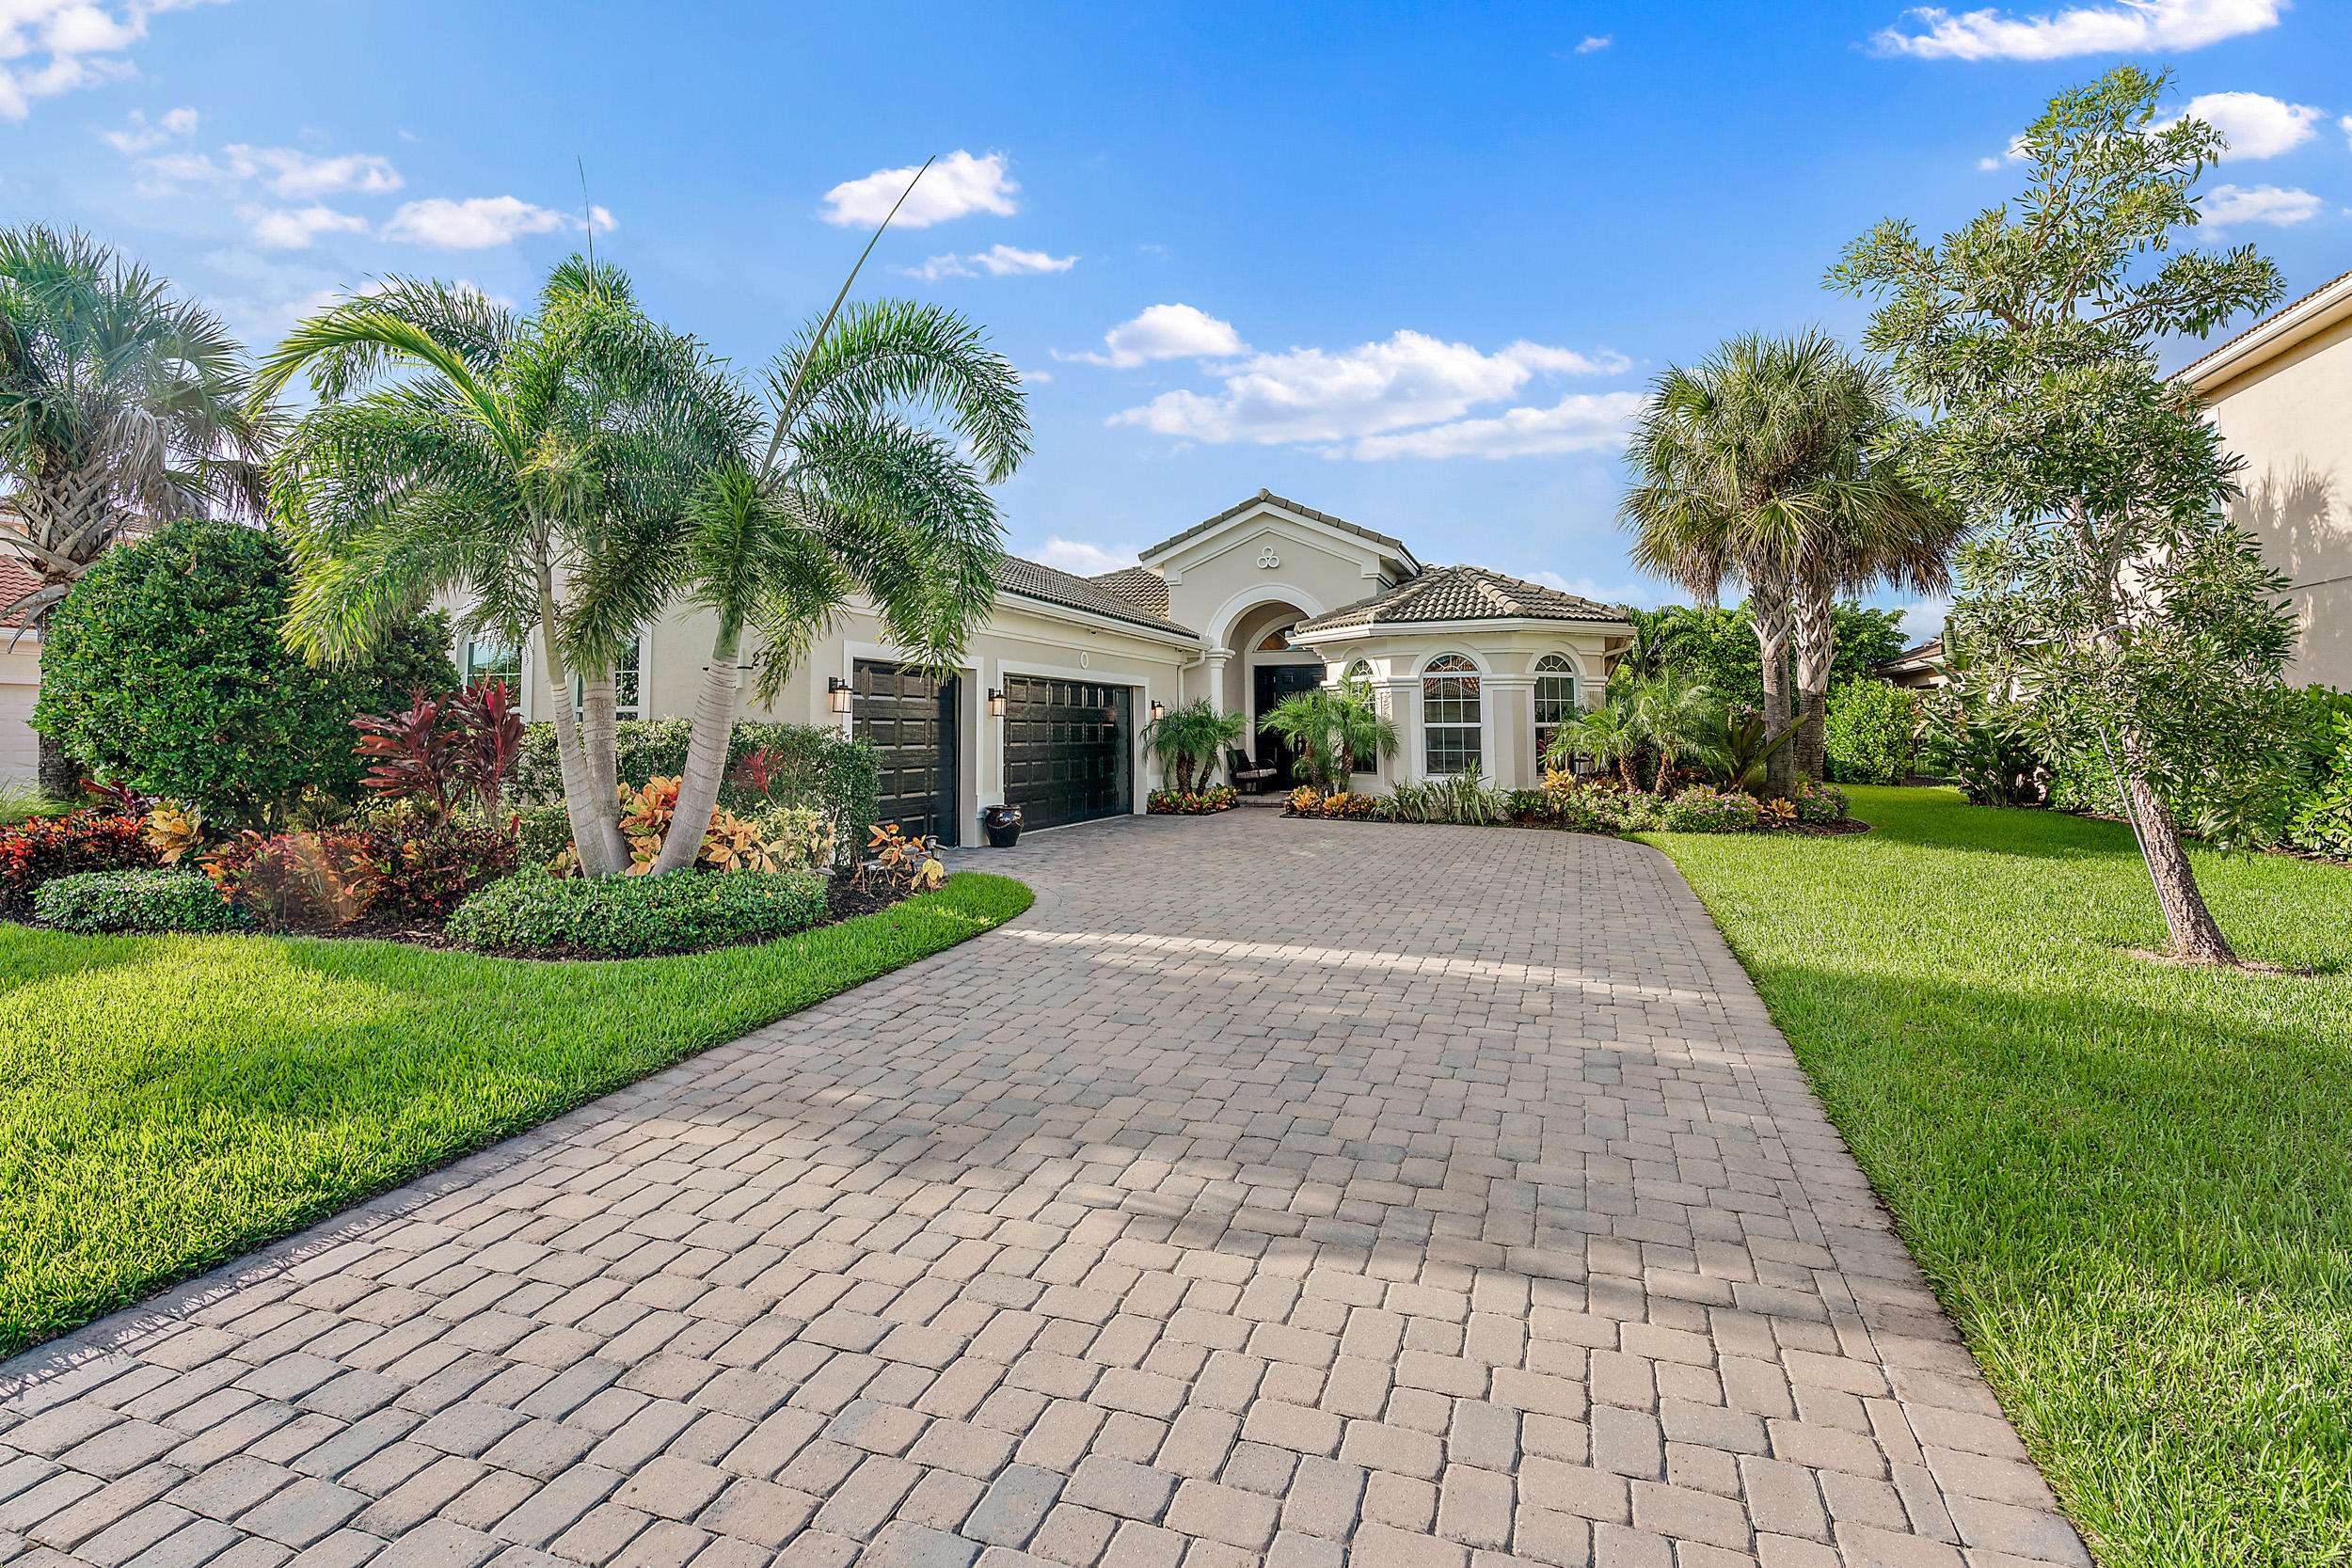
[[1475, 725]]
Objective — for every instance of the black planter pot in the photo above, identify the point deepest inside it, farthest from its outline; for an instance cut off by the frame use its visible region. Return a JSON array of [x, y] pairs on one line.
[[1003, 826]]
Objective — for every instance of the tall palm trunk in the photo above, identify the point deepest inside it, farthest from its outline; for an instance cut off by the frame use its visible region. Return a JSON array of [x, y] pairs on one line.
[[1768, 610], [1816, 647], [599, 741], [597, 857], [64, 521], [707, 752]]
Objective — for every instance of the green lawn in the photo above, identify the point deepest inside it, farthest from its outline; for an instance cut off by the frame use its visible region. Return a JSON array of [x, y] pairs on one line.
[[2131, 1183], [167, 1102]]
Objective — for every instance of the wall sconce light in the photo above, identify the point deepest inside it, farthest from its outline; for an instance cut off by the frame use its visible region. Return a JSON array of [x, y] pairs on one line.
[[1159, 711], [996, 704], [837, 694]]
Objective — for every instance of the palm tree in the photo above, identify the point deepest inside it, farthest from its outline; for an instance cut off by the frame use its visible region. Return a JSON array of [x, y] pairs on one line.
[[1190, 740], [1756, 465], [1660, 641], [849, 498], [1671, 713], [1332, 730], [539, 464], [118, 402], [1604, 736]]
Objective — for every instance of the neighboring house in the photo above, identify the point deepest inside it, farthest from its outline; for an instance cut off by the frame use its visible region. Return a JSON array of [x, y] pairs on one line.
[[1263, 599], [2281, 394], [20, 679], [1918, 668]]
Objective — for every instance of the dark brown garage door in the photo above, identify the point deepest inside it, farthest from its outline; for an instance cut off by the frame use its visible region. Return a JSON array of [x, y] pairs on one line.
[[911, 717], [1066, 751]]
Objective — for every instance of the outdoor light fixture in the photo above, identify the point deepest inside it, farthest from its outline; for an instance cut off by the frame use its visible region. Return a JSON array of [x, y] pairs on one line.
[[1159, 711], [837, 694], [996, 704]]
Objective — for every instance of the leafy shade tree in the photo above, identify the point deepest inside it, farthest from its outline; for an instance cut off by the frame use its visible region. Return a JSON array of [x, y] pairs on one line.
[[2109, 602], [1873, 732], [1190, 740], [537, 465], [1332, 731], [850, 496], [118, 402], [164, 669], [1717, 646]]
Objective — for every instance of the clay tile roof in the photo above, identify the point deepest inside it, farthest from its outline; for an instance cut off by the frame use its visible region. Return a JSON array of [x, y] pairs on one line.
[[1032, 580], [1139, 586], [16, 581], [1267, 496], [1464, 593], [1926, 653]]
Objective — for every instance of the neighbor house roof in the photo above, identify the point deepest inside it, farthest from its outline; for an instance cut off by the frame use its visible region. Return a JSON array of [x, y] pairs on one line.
[[1265, 498], [16, 581], [1139, 586], [1033, 582], [2276, 333], [1927, 656], [1464, 593]]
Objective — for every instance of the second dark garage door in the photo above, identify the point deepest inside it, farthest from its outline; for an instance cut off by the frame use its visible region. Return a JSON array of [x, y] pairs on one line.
[[1066, 746]]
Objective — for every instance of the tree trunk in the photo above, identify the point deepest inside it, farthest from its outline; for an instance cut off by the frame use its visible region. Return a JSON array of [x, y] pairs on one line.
[[1771, 616], [579, 790], [706, 755], [2196, 936], [61, 776], [1815, 639], [597, 742]]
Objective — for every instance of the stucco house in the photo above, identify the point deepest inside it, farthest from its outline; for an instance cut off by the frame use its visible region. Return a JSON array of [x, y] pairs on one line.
[[1263, 599], [2280, 395]]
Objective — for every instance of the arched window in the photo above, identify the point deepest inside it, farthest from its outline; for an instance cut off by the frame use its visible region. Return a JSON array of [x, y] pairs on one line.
[[1449, 715], [1360, 670], [1555, 698], [1359, 676]]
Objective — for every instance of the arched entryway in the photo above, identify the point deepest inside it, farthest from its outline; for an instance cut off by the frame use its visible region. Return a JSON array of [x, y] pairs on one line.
[[1270, 668]]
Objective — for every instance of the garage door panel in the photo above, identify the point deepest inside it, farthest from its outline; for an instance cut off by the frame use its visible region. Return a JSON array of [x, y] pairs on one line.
[[910, 717], [1066, 749]]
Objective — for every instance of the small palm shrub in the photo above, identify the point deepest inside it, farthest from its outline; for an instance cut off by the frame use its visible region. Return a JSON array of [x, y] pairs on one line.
[[627, 917], [1702, 810], [169, 898]]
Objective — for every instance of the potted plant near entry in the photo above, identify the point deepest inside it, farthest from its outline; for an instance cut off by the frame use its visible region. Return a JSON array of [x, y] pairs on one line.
[[1002, 824]]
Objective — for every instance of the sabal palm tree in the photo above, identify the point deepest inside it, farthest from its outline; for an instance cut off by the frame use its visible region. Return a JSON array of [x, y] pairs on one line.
[[1755, 465], [850, 499], [118, 402], [1331, 731], [1190, 740], [537, 463]]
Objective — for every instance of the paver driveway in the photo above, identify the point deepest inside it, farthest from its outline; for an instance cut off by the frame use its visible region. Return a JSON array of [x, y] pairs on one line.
[[1300, 1192]]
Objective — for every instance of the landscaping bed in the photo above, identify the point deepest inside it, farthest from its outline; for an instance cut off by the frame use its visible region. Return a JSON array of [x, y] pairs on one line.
[[168, 1103], [2127, 1182]]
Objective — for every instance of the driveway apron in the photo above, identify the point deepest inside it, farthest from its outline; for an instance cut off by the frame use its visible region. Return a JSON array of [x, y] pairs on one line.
[[1274, 1192]]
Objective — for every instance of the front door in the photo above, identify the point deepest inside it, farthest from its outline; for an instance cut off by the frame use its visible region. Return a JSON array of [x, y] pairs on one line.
[[910, 717], [1276, 682]]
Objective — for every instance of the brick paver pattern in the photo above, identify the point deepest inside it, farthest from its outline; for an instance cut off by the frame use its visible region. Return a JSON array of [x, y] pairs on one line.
[[1281, 1192]]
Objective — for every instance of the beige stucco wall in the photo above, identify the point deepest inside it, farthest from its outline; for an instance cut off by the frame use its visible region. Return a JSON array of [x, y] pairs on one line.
[[20, 688], [2291, 419]]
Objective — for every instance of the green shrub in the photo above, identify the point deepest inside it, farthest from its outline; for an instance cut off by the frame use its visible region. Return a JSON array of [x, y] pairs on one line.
[[544, 833], [1709, 811], [1529, 805], [1462, 799], [1820, 802], [627, 917], [1870, 732], [171, 898], [799, 765], [163, 669]]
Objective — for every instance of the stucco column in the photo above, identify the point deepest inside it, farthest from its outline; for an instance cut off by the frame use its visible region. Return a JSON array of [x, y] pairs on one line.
[[1218, 661], [1509, 710]]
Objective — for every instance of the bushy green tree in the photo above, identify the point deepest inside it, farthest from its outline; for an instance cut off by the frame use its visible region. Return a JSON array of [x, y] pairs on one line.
[[164, 669], [2108, 599], [1872, 731], [1718, 646]]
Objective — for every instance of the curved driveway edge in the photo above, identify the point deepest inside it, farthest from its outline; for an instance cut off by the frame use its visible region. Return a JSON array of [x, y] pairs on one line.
[[1271, 1192]]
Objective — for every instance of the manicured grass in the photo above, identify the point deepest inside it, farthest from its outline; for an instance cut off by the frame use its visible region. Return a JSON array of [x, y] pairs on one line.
[[2131, 1183], [168, 1103]]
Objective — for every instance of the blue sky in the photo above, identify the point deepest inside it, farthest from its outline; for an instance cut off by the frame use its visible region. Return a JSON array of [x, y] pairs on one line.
[[1408, 265]]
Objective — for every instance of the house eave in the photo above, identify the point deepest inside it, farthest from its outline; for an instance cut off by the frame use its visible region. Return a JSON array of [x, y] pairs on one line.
[[1542, 624], [1174, 635], [2327, 305]]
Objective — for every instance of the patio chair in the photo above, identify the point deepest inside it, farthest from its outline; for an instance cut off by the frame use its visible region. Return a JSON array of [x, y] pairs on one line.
[[1249, 779]]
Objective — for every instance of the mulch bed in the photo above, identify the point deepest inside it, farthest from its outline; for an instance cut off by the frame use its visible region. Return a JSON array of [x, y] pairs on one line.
[[843, 901]]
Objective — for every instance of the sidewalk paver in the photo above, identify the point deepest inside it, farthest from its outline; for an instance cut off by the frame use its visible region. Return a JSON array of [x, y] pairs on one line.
[[1273, 1192]]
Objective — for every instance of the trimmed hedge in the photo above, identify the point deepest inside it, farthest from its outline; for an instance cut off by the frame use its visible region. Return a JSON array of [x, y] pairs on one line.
[[172, 898], [627, 917]]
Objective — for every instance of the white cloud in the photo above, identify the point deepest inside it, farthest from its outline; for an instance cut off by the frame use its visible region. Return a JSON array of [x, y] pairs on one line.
[[2128, 26], [1166, 332], [2254, 124], [480, 222], [2345, 125], [1085, 560], [53, 46], [1601, 40], [996, 261], [956, 185], [295, 228], [137, 136], [1645, 595], [1034, 378], [2226, 205], [283, 170], [1408, 396]]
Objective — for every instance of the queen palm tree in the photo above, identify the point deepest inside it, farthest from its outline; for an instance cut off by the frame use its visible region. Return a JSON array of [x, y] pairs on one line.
[[118, 402], [851, 498], [538, 463], [1755, 465]]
